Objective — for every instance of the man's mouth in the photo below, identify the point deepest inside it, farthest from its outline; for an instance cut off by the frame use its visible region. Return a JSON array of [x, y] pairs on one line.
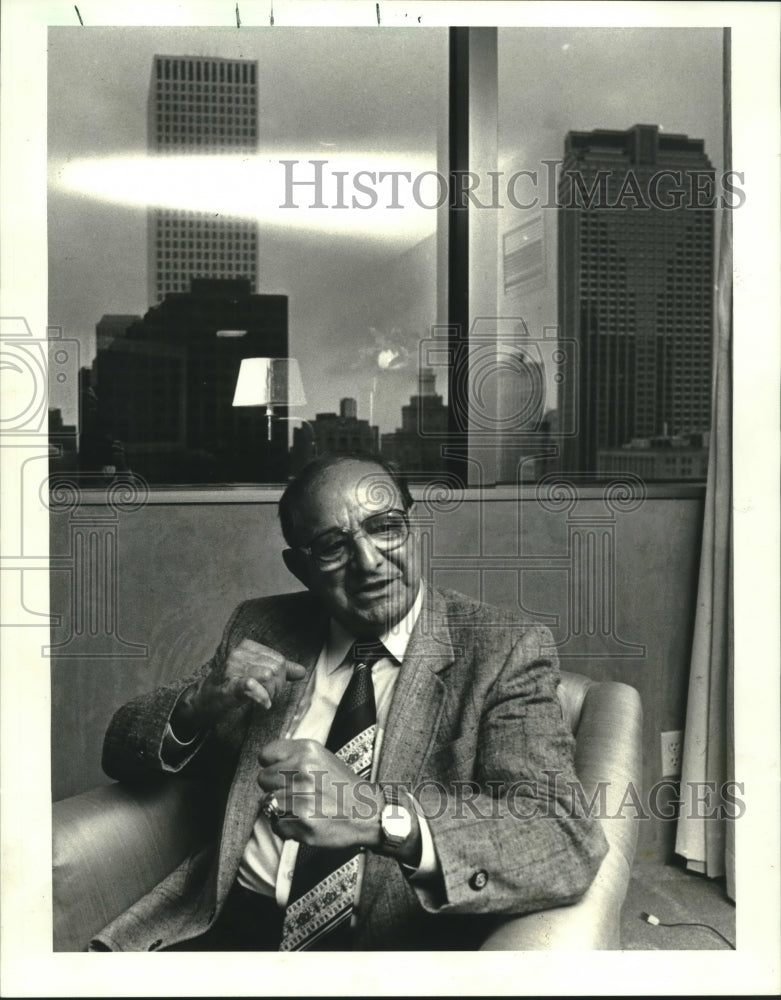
[[374, 588]]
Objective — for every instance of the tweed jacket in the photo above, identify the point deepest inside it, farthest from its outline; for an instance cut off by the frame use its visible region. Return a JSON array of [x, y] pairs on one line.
[[474, 732]]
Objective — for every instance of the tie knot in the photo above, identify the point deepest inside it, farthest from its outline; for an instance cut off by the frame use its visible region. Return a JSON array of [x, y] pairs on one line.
[[368, 651]]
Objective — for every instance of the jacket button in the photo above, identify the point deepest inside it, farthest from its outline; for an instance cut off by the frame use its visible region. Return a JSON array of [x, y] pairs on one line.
[[478, 880], [155, 945]]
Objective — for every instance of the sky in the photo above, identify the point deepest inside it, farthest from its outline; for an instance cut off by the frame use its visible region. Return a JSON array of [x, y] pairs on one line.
[[357, 281]]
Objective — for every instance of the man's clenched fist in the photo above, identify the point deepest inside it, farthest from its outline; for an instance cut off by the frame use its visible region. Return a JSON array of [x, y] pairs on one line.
[[252, 672], [323, 802]]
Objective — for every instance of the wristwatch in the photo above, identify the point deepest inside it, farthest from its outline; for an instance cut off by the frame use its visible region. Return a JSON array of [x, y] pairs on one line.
[[396, 826]]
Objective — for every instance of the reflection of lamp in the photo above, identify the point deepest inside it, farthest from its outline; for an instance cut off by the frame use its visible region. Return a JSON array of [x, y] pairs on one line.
[[269, 382]]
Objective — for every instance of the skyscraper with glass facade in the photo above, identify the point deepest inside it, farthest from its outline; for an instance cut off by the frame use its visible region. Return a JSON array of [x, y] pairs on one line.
[[635, 288], [208, 107]]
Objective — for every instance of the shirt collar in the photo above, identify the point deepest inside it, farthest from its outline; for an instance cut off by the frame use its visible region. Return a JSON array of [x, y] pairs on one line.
[[395, 641]]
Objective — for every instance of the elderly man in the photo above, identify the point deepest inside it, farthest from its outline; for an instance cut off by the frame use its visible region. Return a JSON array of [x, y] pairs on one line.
[[390, 761]]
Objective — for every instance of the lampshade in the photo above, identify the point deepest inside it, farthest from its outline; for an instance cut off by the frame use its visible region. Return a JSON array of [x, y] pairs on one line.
[[269, 382]]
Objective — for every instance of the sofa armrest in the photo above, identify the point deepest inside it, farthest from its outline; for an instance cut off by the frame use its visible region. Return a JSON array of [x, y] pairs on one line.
[[591, 924], [609, 761], [112, 844], [608, 757]]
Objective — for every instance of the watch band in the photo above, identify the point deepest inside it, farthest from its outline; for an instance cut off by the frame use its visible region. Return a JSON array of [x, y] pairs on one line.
[[392, 798], [390, 794]]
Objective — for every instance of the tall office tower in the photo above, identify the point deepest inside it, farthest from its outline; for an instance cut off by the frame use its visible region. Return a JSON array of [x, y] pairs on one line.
[[207, 107], [635, 285]]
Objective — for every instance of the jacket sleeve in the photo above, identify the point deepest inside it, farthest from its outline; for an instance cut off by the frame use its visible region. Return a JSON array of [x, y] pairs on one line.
[[133, 744], [514, 837]]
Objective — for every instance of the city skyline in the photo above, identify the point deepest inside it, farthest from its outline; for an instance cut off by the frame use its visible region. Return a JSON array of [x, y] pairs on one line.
[[336, 325], [142, 411]]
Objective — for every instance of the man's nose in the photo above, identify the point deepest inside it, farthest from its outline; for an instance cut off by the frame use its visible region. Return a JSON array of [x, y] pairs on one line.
[[366, 555]]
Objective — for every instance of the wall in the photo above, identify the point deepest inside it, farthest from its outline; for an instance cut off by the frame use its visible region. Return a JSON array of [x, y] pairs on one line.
[[182, 566]]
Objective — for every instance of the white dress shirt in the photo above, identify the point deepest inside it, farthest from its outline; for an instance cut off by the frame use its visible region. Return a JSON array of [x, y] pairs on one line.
[[267, 863]]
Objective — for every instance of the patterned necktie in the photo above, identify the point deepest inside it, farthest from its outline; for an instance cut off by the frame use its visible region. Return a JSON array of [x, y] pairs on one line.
[[322, 890]]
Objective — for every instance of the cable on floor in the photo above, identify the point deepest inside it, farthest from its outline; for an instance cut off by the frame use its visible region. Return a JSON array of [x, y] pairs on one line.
[[656, 922]]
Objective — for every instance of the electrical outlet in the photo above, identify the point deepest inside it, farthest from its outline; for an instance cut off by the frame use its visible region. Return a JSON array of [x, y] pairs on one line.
[[672, 752]]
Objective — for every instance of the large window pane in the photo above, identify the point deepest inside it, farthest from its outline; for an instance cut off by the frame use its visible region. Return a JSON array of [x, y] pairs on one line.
[[290, 206], [218, 196]]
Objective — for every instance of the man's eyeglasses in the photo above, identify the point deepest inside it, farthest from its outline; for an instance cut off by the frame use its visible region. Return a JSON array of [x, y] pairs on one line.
[[387, 530]]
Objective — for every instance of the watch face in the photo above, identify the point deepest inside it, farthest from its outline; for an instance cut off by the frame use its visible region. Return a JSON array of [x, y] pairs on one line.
[[396, 822]]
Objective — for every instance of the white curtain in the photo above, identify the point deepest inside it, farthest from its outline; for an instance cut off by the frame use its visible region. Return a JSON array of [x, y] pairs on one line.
[[706, 841]]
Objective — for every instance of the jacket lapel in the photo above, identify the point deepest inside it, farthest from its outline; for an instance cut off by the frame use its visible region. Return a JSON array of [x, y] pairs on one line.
[[414, 715], [294, 643], [417, 698]]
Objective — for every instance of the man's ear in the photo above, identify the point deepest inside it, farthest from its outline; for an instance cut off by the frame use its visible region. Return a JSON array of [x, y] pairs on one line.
[[297, 564]]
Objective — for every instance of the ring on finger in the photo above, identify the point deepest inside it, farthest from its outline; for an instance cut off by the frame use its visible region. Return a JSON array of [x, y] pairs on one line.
[[270, 807]]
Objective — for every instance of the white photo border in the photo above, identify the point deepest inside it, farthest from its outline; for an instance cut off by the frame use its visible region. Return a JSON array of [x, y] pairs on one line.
[[28, 966]]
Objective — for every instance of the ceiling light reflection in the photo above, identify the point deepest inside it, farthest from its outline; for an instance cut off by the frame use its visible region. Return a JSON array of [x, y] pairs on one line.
[[350, 194]]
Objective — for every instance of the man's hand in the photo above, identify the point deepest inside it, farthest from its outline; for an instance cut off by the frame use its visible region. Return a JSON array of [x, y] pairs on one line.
[[252, 672], [325, 803]]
